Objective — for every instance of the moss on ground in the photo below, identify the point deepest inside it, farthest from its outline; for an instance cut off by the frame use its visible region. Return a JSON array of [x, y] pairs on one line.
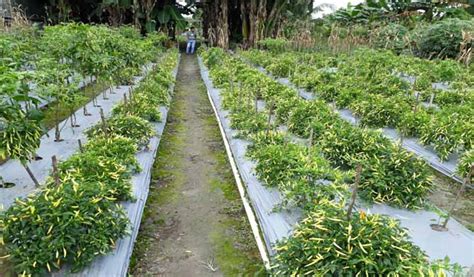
[[164, 170], [232, 241]]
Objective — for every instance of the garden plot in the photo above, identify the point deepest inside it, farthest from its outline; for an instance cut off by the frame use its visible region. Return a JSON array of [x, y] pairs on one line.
[[116, 263], [82, 84], [274, 225], [457, 243], [45, 101], [104, 175], [447, 168], [13, 171]]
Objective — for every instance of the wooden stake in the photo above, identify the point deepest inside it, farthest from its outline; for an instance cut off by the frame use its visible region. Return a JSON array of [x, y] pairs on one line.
[[432, 99], [354, 191], [415, 108], [125, 101], [239, 96], [55, 170], [466, 182], [231, 83], [32, 176], [104, 95], [269, 122], [104, 123], [256, 104], [81, 148], [310, 142]]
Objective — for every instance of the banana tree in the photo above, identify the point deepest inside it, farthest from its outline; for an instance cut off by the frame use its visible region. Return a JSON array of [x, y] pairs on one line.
[[116, 10]]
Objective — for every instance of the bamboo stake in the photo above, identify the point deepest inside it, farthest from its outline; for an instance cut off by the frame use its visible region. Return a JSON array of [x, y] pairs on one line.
[[432, 99], [466, 182], [256, 104], [81, 148], [32, 176], [55, 170], [239, 96], [104, 123], [269, 122], [354, 191]]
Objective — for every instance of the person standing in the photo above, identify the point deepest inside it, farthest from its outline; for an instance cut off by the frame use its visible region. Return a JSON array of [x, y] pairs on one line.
[[191, 38]]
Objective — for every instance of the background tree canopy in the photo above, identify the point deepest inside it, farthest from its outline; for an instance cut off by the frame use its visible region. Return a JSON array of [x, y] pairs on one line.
[[246, 21]]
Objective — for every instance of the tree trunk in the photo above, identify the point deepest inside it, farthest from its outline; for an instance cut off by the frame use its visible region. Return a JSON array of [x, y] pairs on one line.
[[253, 22], [245, 24], [261, 18], [274, 19], [136, 7], [206, 22], [223, 25]]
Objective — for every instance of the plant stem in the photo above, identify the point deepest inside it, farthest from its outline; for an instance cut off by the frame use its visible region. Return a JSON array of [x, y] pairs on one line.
[[32, 176]]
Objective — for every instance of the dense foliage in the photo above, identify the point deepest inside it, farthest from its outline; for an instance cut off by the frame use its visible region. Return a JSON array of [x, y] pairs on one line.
[[46, 67], [311, 159], [326, 243], [373, 84], [77, 215], [444, 38]]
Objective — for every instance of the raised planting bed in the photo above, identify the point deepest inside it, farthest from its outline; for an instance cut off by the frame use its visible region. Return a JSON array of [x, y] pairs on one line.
[[279, 206], [107, 172]]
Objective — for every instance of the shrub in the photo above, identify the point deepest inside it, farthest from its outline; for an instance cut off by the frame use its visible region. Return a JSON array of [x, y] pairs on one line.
[[449, 131], [71, 223], [397, 178], [442, 39], [120, 148], [465, 163], [302, 175], [325, 243], [391, 36], [133, 127], [88, 168], [342, 143], [248, 122], [379, 111], [309, 115], [142, 106], [275, 45], [412, 123]]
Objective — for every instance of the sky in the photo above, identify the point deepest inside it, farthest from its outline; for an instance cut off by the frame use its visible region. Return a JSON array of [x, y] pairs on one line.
[[336, 3]]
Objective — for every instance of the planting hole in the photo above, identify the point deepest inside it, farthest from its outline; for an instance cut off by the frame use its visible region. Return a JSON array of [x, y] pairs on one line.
[[6, 185], [438, 227]]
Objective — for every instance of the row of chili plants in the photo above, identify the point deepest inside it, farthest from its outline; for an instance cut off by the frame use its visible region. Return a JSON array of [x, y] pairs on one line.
[[76, 215], [55, 60], [368, 83], [315, 177]]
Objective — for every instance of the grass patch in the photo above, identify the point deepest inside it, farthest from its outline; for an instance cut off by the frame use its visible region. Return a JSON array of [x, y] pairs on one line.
[[444, 194], [49, 111], [90, 91], [234, 245], [230, 250]]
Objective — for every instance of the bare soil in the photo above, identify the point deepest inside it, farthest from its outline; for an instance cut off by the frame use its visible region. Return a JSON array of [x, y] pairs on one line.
[[194, 223], [444, 195]]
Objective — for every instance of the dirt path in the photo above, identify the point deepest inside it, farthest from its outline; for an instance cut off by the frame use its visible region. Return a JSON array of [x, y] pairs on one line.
[[194, 223]]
